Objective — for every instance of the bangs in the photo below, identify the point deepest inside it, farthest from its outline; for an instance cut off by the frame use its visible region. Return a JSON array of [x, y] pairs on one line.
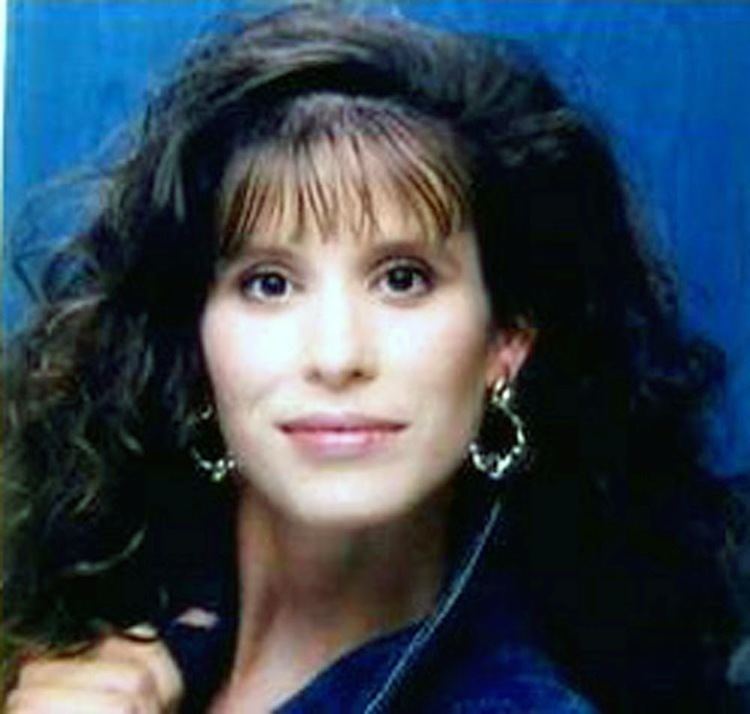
[[335, 167]]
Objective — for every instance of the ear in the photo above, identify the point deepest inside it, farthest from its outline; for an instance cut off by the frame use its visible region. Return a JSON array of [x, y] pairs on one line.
[[507, 353]]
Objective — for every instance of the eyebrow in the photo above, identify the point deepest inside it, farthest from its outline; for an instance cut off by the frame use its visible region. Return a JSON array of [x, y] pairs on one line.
[[438, 249], [378, 249], [253, 249]]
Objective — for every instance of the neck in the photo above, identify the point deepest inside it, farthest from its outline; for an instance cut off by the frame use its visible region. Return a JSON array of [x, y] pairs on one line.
[[310, 593]]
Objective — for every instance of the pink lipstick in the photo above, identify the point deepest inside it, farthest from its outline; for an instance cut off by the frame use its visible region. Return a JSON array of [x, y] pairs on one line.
[[345, 436]]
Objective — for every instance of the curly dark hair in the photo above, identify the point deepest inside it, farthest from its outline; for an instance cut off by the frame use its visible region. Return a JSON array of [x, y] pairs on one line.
[[620, 537]]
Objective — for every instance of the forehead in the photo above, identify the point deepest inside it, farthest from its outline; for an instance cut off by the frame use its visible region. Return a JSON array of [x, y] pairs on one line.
[[345, 167]]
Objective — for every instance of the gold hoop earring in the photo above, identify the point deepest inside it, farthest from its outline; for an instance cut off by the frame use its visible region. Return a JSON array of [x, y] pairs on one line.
[[496, 465], [217, 468]]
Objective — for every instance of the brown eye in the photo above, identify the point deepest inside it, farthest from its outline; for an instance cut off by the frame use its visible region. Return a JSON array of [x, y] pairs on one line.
[[266, 286], [405, 279]]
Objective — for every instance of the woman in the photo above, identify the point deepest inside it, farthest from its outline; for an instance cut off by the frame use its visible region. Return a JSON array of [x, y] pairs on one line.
[[363, 390]]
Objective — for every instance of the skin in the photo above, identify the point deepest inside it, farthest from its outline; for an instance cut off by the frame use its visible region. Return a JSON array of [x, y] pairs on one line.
[[393, 325], [345, 337], [116, 676], [333, 550]]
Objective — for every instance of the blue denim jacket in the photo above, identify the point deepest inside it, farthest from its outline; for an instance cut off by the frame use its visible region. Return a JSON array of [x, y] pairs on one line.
[[475, 652]]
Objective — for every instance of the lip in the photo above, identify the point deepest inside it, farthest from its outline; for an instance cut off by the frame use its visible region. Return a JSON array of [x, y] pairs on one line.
[[341, 436]]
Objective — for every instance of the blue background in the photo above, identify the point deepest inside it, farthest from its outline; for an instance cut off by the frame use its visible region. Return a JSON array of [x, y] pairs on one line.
[[670, 82]]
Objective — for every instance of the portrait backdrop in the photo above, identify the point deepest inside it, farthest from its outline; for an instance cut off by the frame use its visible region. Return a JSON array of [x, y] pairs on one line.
[[667, 81]]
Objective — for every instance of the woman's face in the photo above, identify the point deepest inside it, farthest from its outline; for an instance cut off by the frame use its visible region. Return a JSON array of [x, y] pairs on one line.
[[348, 372]]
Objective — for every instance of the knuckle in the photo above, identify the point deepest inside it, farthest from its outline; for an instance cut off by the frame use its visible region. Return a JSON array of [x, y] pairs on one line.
[[13, 701], [142, 682], [20, 701], [30, 671], [121, 703]]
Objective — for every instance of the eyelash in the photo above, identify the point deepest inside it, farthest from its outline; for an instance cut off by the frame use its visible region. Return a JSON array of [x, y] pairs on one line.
[[424, 273], [256, 275], [416, 268]]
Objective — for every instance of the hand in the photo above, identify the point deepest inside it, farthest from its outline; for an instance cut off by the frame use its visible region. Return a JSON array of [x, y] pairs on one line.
[[119, 675]]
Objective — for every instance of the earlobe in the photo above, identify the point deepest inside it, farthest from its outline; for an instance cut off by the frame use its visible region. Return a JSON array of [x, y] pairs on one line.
[[508, 351]]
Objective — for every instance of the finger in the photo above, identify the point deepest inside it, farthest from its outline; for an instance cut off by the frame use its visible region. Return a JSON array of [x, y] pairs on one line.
[[64, 700], [151, 658], [125, 676]]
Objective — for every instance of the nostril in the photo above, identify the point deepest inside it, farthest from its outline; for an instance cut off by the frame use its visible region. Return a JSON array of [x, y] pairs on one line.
[[338, 377], [340, 346]]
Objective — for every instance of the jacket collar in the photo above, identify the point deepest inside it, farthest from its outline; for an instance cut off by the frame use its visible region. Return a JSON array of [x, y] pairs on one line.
[[473, 544]]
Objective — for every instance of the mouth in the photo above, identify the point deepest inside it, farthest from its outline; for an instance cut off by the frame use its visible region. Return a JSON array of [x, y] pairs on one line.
[[341, 436]]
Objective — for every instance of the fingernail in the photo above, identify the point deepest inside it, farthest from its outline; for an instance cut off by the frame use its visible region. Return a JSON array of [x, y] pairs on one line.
[[198, 617], [143, 629]]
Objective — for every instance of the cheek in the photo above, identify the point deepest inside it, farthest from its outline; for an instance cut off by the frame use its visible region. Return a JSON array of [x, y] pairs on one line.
[[442, 364], [243, 357], [445, 378], [445, 351], [223, 352]]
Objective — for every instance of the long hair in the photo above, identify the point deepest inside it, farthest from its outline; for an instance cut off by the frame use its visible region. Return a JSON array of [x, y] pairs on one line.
[[618, 535]]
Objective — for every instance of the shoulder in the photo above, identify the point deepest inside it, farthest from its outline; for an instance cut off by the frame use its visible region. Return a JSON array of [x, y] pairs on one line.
[[481, 675], [489, 657], [513, 678]]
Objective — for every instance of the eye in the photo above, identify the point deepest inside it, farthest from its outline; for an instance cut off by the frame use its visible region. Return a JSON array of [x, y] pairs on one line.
[[405, 278], [266, 285]]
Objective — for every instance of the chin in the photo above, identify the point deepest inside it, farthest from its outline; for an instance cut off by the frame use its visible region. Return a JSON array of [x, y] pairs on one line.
[[349, 506]]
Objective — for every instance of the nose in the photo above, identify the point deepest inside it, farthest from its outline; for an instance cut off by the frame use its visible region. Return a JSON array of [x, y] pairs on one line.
[[341, 343]]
